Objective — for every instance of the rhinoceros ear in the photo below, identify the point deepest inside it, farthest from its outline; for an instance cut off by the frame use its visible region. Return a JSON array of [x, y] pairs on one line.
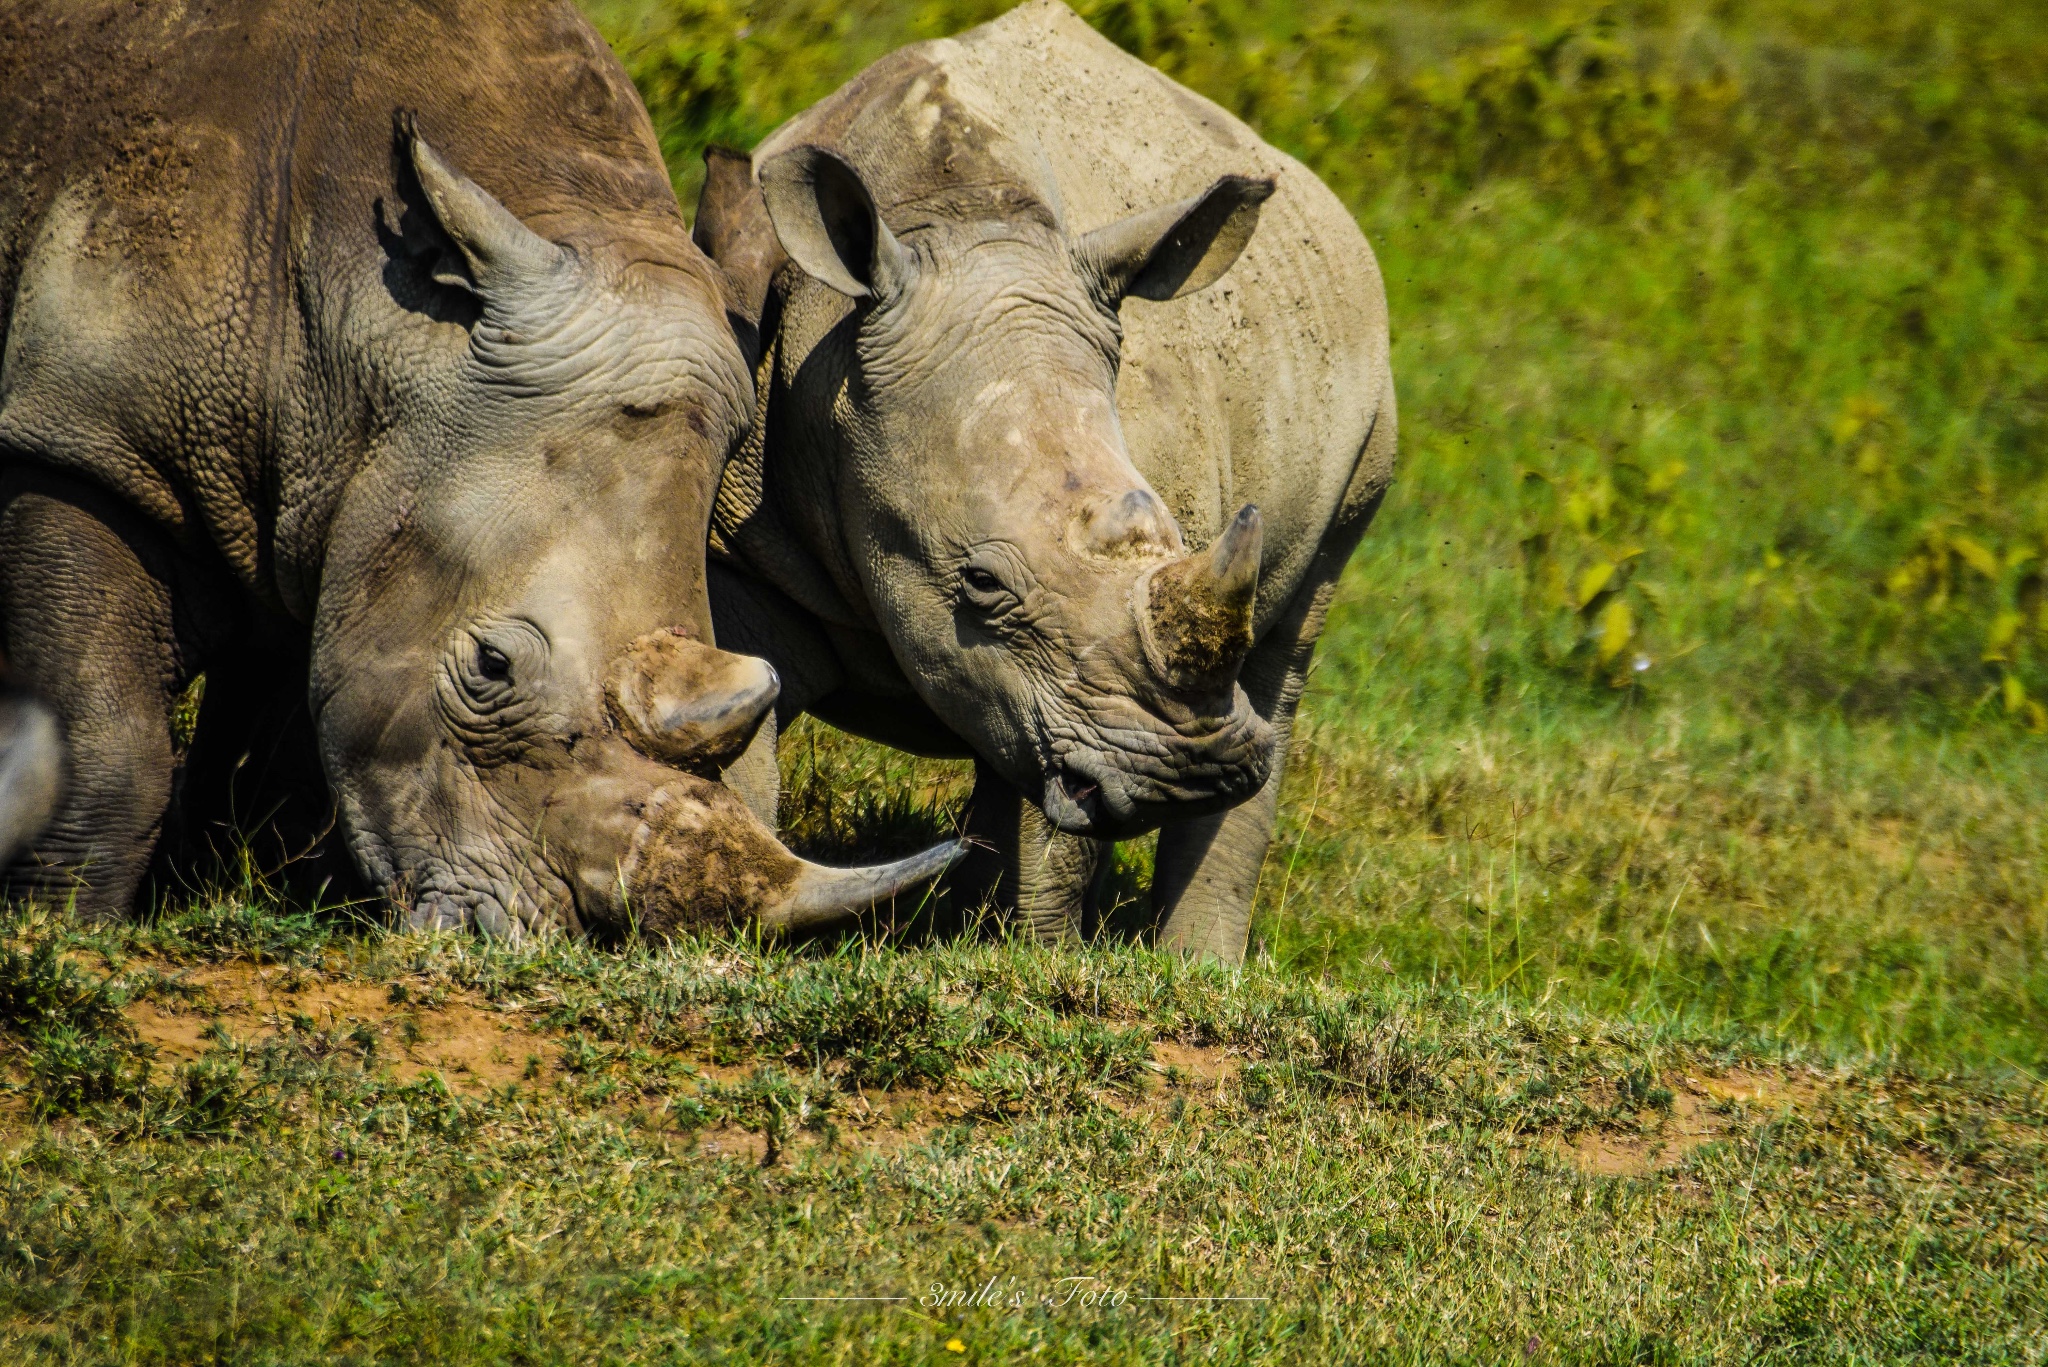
[[826, 220], [733, 228], [1176, 249], [496, 257]]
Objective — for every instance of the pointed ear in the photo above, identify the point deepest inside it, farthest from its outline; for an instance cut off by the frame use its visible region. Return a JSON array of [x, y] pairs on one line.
[[826, 220], [733, 228], [495, 256], [1176, 249]]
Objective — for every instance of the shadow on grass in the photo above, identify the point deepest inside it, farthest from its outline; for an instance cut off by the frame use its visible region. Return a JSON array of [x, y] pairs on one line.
[[848, 801]]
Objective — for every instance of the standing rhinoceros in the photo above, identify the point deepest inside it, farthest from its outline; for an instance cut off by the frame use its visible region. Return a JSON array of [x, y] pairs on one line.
[[1029, 349], [281, 382]]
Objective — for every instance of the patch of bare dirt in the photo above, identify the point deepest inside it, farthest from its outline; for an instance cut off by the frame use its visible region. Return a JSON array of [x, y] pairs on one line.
[[1205, 1067], [1896, 846], [1703, 1110], [729, 1141], [472, 1046]]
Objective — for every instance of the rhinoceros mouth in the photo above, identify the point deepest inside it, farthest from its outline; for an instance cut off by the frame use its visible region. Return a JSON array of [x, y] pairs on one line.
[[1089, 796], [1133, 781]]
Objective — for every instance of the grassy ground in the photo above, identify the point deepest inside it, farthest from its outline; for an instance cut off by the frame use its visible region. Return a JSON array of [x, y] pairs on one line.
[[386, 1149], [1651, 966]]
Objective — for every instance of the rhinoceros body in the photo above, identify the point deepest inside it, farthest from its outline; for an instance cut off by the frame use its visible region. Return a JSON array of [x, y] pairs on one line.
[[992, 420], [287, 398]]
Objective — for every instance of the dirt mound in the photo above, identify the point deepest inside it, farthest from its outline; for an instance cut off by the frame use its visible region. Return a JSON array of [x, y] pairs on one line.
[[472, 1045], [1703, 1110]]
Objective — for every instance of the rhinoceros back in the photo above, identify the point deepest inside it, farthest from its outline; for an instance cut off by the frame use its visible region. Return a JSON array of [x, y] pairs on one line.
[[197, 209], [1261, 389]]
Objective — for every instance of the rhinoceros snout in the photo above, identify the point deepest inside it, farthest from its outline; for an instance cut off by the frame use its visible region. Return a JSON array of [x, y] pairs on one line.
[[683, 853], [1115, 791]]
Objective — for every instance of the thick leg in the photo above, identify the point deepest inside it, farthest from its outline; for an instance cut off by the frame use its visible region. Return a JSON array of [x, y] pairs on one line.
[[86, 605], [753, 619], [1207, 871], [1023, 866]]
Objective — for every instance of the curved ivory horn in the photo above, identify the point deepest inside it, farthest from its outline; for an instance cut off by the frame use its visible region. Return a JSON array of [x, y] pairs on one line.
[[823, 896], [698, 859], [1197, 611]]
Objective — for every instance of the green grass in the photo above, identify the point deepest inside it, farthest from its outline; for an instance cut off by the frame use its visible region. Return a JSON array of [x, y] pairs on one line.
[[1402, 1172], [1718, 332]]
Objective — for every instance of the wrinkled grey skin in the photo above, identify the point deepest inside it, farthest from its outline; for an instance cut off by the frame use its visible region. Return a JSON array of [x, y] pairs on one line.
[[1042, 330], [281, 381]]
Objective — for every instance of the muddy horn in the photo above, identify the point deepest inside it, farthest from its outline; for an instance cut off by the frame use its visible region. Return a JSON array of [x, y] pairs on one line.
[[685, 703], [697, 859], [1197, 611]]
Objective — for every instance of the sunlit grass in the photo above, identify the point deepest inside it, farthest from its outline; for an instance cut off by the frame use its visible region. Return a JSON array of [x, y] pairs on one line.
[[1751, 310]]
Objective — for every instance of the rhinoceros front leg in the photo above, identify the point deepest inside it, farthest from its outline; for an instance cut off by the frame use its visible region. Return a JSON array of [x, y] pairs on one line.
[[86, 605], [1022, 865], [1206, 871]]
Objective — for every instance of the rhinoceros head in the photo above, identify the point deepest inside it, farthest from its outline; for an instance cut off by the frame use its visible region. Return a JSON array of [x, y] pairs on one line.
[[1035, 588], [516, 695]]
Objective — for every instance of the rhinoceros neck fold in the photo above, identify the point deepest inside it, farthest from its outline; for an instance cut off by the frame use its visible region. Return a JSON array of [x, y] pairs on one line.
[[777, 511]]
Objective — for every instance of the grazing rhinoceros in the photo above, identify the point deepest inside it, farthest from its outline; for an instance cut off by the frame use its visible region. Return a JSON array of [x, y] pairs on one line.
[[29, 767], [1030, 348], [281, 382]]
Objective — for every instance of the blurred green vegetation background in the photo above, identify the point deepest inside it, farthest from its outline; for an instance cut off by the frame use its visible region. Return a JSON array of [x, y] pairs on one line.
[[1697, 665]]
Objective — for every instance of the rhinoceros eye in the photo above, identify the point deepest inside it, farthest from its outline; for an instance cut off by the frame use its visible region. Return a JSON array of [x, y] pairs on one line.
[[493, 663], [987, 581]]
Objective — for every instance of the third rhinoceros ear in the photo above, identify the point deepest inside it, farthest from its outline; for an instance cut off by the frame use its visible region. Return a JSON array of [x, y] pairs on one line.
[[496, 257], [1176, 249], [827, 221], [734, 230]]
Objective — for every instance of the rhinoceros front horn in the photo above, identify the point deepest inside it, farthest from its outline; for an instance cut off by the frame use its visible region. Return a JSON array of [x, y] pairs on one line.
[[1196, 613], [822, 896], [699, 860]]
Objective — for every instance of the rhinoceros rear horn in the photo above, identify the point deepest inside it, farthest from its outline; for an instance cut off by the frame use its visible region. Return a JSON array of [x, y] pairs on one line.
[[685, 703], [1196, 617], [496, 257], [1176, 249]]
